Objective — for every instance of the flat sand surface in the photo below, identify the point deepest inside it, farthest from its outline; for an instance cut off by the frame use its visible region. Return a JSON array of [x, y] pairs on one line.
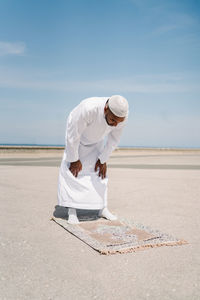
[[40, 260]]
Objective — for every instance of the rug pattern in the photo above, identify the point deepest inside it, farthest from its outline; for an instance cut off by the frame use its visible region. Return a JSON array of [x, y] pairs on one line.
[[120, 236]]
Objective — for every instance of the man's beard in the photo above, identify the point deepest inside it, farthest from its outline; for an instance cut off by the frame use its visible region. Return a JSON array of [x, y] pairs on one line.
[[107, 121]]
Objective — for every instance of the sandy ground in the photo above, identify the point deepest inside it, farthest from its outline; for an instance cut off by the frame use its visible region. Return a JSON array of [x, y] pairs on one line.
[[40, 260]]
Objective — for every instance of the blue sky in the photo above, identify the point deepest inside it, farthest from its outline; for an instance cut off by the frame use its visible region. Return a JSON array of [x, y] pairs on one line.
[[53, 54]]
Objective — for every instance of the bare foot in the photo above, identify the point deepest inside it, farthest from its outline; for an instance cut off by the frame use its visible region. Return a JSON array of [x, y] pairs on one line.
[[106, 214], [72, 216]]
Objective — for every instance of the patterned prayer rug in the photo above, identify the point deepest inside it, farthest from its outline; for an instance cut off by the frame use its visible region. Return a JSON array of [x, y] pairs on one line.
[[120, 236]]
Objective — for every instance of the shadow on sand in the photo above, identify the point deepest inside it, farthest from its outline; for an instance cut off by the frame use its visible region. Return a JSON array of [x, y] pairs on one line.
[[82, 214]]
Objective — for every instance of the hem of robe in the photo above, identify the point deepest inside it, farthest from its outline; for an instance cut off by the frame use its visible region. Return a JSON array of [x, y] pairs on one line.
[[86, 191], [81, 207], [67, 201]]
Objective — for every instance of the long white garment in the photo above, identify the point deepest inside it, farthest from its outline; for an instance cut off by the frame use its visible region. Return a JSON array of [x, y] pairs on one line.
[[85, 133]]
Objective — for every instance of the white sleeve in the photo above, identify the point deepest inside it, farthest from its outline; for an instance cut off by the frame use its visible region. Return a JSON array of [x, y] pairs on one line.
[[76, 124], [112, 142]]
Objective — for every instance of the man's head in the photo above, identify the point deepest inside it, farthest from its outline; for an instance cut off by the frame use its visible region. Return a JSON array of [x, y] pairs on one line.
[[116, 110]]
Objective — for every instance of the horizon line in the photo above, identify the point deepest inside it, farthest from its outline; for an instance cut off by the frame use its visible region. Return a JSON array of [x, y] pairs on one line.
[[24, 145]]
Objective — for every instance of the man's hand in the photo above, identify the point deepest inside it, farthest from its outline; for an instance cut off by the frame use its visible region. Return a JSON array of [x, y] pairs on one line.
[[102, 168], [75, 167]]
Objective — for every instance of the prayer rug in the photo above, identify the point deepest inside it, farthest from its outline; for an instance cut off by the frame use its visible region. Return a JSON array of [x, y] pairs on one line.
[[120, 236]]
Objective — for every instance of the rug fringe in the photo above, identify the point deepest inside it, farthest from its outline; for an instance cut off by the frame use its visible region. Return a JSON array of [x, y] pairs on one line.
[[142, 247]]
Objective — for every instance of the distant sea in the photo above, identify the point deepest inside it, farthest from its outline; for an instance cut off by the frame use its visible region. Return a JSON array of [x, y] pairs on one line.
[[120, 146], [45, 145]]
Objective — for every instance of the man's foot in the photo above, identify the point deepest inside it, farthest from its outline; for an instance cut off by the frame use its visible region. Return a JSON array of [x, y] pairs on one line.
[[72, 216], [106, 214]]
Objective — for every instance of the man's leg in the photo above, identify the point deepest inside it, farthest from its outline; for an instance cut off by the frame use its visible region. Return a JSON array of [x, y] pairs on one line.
[[106, 214], [72, 216]]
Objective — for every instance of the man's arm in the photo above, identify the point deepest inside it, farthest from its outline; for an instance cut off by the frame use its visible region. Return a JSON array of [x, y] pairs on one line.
[[111, 144], [76, 124]]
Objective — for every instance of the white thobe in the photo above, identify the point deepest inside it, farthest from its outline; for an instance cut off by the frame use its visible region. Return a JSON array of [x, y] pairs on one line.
[[85, 134]]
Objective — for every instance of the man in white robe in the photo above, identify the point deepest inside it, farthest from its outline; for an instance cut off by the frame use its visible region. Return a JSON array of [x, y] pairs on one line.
[[82, 182]]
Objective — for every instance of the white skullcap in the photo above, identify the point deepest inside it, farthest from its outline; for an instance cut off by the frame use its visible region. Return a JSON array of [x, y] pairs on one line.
[[118, 105]]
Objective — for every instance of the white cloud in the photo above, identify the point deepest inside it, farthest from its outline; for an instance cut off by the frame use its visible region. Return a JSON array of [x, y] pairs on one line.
[[164, 29], [152, 83], [176, 21], [7, 48]]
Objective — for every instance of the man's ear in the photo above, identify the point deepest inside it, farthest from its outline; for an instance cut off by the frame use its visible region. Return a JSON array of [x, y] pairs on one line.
[[105, 108]]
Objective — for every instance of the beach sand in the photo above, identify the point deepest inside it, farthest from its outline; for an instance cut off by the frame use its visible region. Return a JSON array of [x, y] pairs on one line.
[[40, 260]]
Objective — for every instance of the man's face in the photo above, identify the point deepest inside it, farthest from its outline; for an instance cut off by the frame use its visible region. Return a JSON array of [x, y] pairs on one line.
[[111, 119]]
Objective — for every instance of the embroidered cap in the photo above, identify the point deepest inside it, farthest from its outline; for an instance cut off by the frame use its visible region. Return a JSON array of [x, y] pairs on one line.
[[118, 105]]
